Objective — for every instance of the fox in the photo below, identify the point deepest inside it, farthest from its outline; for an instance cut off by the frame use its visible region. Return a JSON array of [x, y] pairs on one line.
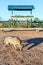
[[15, 41]]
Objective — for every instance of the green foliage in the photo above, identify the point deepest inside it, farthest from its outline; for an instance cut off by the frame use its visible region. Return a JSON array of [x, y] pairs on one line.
[[36, 20], [22, 24]]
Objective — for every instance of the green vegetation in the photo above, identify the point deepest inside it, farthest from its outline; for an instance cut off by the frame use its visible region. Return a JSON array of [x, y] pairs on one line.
[[36, 23]]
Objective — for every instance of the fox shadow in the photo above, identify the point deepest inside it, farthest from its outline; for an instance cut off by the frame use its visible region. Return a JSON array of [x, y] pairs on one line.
[[33, 41]]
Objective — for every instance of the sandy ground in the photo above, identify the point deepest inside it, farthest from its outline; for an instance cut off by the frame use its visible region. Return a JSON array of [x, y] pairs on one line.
[[32, 53]]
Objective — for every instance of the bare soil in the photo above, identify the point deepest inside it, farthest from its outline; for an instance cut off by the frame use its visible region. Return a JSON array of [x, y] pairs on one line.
[[32, 53]]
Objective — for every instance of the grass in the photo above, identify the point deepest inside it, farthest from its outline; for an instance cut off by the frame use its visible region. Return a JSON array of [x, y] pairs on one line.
[[21, 24]]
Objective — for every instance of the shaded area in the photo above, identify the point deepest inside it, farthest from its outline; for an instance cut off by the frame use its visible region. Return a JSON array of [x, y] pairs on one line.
[[34, 41]]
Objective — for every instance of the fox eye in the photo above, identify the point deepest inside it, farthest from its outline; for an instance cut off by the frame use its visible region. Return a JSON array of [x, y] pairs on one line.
[[16, 45]]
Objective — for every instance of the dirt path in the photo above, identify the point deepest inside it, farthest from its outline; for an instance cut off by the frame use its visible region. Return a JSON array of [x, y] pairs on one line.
[[32, 53]]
